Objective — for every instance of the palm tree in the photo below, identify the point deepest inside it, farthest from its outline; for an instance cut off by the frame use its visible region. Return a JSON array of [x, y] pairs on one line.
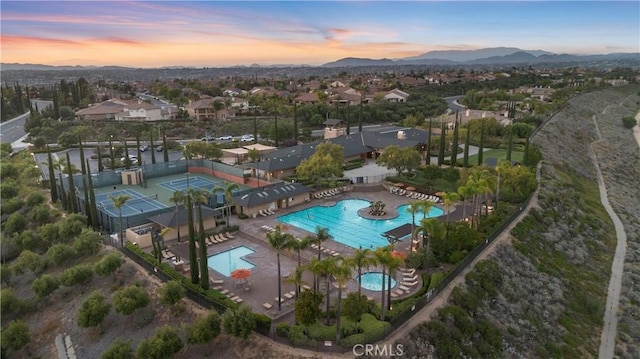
[[177, 199], [464, 192], [325, 267], [448, 198], [413, 208], [296, 279], [361, 258], [430, 228], [322, 234], [298, 245], [118, 202], [382, 257], [278, 240], [425, 207], [393, 263], [342, 273], [227, 190]]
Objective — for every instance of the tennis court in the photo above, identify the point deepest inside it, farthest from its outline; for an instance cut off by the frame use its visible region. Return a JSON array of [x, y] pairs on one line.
[[182, 184], [135, 205]]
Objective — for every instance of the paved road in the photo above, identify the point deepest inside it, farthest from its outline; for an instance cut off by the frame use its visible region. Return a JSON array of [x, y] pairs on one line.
[[452, 103], [13, 130]]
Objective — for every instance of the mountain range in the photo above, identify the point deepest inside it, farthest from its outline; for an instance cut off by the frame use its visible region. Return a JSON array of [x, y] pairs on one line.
[[487, 56]]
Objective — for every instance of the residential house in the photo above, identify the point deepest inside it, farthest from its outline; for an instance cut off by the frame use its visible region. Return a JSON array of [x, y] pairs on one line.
[[211, 108], [396, 95], [126, 110]]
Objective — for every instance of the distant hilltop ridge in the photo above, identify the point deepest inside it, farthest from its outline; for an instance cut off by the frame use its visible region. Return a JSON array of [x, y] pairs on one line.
[[488, 56]]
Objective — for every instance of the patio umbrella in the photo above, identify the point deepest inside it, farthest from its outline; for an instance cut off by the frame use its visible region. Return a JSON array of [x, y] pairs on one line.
[[241, 273], [410, 188], [398, 254]]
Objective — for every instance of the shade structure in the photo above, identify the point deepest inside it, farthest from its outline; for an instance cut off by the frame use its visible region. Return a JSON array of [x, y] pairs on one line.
[[410, 188], [398, 254], [241, 273]]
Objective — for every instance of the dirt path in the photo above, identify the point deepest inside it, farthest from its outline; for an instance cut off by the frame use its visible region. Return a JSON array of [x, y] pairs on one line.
[[442, 298], [610, 326]]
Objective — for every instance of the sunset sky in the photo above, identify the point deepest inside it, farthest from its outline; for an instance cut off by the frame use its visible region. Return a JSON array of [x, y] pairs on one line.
[[215, 33]]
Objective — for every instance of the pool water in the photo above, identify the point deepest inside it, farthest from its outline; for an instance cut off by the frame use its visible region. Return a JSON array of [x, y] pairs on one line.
[[347, 227], [228, 261], [373, 281]]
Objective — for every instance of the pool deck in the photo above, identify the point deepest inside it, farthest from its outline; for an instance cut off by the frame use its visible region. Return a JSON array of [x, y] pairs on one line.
[[262, 284]]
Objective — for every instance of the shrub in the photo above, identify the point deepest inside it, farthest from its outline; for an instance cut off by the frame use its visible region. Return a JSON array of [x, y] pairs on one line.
[[239, 322], [372, 328], [352, 340], [629, 122], [45, 285], [353, 306], [109, 264], [9, 189], [143, 316], [35, 198], [435, 279], [171, 292], [321, 332], [12, 205], [80, 274], [297, 336], [118, 350], [282, 330], [127, 300]]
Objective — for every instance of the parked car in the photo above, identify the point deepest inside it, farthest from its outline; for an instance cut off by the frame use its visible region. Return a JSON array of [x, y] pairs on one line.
[[159, 149], [144, 148], [208, 138], [247, 138], [224, 138], [133, 159]]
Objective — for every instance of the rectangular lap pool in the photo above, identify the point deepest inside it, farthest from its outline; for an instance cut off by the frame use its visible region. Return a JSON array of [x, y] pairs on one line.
[[230, 260]]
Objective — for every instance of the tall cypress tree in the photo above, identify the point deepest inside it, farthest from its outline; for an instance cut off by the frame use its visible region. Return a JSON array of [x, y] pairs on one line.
[[63, 193], [510, 144], [481, 147], [93, 209], [99, 158], [83, 167], [87, 205], [347, 120], [525, 158], [360, 117], [139, 153], [465, 160], [72, 188], [429, 142], [193, 257], [164, 145], [443, 143], [454, 147], [151, 148], [127, 162], [295, 122], [204, 279], [275, 121], [53, 188]]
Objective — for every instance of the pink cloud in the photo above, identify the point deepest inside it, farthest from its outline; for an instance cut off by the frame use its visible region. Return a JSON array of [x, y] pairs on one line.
[[35, 40]]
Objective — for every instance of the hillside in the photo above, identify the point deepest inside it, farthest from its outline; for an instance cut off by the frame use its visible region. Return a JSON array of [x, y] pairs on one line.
[[550, 285]]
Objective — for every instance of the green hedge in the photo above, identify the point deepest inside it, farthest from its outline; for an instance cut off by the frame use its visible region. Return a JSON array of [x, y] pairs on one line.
[[352, 340], [372, 328], [321, 332]]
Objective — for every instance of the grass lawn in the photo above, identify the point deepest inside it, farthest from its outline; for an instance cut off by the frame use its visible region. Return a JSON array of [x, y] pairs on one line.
[[500, 154]]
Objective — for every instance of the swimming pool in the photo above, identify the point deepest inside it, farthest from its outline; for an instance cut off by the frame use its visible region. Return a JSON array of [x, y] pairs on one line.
[[347, 227], [373, 281], [230, 260]]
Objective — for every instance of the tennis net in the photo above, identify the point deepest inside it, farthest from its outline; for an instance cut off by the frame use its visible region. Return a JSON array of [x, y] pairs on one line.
[[110, 204]]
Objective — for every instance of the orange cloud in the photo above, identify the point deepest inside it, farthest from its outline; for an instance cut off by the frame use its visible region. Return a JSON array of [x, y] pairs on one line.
[[9, 40]]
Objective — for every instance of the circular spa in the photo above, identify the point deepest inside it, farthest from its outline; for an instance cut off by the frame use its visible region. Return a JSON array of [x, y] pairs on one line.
[[373, 281]]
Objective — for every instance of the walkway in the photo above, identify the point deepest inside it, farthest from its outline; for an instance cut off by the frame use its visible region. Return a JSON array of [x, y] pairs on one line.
[[610, 325]]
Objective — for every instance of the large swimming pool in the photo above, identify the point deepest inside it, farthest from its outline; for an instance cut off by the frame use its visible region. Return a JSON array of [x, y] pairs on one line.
[[228, 261], [347, 227]]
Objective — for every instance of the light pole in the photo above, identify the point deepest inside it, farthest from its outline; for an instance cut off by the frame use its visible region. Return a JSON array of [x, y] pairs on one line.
[[113, 159]]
